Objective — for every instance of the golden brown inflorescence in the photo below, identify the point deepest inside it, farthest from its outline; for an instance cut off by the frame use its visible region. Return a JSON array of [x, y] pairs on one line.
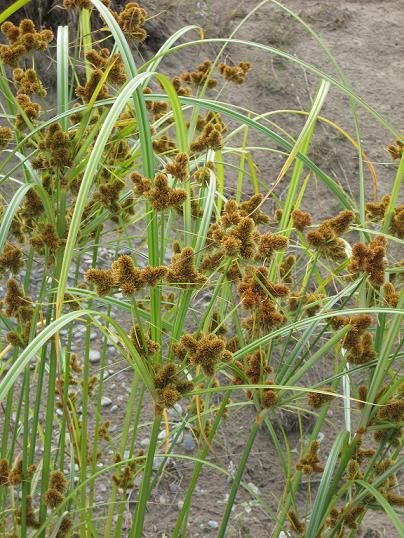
[[326, 238], [370, 260], [316, 400], [236, 73], [28, 82], [376, 212], [179, 168], [55, 493], [6, 135], [162, 196], [170, 386], [301, 219], [358, 342], [204, 350], [124, 479], [22, 39], [131, 20], [296, 525], [310, 463], [144, 345], [125, 276], [396, 150], [11, 259], [182, 271]]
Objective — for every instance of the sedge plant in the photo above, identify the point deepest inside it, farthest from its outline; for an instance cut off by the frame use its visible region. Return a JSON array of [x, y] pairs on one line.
[[118, 227]]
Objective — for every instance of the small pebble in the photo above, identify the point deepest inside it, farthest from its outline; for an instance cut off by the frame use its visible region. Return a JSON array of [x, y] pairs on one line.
[[254, 488], [145, 442], [105, 401], [212, 524], [189, 442], [114, 408], [94, 356]]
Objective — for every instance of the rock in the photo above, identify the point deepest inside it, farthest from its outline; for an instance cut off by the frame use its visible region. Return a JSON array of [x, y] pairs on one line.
[[254, 488], [114, 408], [213, 524], [162, 435], [105, 401], [180, 504], [94, 356], [174, 488], [189, 442], [145, 442]]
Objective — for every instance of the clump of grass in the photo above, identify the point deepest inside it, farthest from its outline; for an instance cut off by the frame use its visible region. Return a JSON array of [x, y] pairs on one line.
[[121, 165]]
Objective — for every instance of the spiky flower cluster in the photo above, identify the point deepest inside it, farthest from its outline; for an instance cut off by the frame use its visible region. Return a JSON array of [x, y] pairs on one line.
[[179, 168], [77, 4], [370, 260], [301, 219], [30, 110], [56, 149], [200, 76], [20, 307], [358, 342], [131, 20], [203, 350], [162, 196], [144, 345], [170, 386], [55, 493], [326, 237], [27, 81], [22, 39], [125, 276], [6, 135], [236, 73], [310, 463], [396, 150], [11, 259], [102, 60], [376, 212], [124, 478], [182, 271]]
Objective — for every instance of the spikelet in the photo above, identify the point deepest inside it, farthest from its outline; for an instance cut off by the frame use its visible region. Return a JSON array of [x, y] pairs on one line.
[[4, 472], [131, 20], [370, 260], [11, 259], [102, 59], [391, 296], [236, 74], [301, 219], [179, 167], [162, 196], [142, 185], [316, 400], [396, 150], [77, 4], [87, 90], [256, 287], [296, 525], [204, 350], [31, 110], [270, 243], [182, 270], [144, 345], [6, 135], [169, 386], [311, 462], [200, 76], [22, 39], [103, 279]]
